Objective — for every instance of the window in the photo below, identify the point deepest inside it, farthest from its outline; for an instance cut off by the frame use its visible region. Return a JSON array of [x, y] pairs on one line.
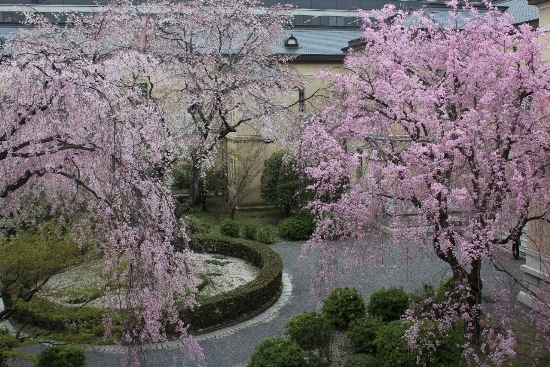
[[143, 89], [302, 100], [232, 170]]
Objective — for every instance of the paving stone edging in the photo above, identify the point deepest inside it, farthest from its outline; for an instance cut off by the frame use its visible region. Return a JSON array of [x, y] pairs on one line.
[[265, 316]]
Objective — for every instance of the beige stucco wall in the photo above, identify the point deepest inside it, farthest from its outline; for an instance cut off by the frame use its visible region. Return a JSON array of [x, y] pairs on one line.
[[534, 270], [316, 101], [544, 24], [251, 150]]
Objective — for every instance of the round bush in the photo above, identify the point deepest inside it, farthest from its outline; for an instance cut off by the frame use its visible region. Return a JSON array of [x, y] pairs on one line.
[[388, 304], [265, 236], [342, 306], [311, 331], [278, 352], [296, 228], [61, 356], [362, 332], [230, 228], [250, 231], [362, 360]]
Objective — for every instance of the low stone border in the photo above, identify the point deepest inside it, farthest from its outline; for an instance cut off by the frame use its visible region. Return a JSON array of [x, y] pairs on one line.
[[265, 316]]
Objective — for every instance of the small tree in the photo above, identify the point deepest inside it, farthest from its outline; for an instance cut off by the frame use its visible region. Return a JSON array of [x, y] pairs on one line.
[[246, 159], [30, 259], [281, 184]]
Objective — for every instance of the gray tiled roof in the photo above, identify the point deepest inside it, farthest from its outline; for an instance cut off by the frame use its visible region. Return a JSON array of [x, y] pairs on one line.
[[321, 41], [8, 32], [520, 10], [327, 41]]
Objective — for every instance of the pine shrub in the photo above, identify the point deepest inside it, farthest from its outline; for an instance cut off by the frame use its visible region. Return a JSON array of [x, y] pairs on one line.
[[342, 306], [391, 348], [278, 352], [311, 331], [7, 342], [388, 304], [362, 332], [439, 349]]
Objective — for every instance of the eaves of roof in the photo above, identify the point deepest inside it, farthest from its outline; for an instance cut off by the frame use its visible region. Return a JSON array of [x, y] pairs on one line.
[[319, 43]]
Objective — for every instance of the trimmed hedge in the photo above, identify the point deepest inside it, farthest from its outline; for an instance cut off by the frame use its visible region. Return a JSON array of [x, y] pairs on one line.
[[52, 316], [213, 311], [246, 299], [278, 352]]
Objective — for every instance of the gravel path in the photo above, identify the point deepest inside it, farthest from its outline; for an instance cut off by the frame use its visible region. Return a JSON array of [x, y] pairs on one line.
[[234, 350]]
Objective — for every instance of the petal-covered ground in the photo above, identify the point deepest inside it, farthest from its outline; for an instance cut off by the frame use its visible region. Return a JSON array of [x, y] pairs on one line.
[[84, 283]]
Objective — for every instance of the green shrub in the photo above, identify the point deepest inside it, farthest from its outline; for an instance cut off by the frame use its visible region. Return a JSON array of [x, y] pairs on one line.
[[313, 360], [311, 331], [296, 228], [421, 300], [342, 306], [7, 342], [230, 228], [449, 345], [61, 356], [281, 184], [362, 360], [265, 235], [446, 288], [278, 352], [389, 304], [362, 332], [250, 231], [181, 174], [391, 348]]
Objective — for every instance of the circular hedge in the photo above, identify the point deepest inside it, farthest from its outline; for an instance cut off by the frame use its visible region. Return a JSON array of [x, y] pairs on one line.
[[245, 301], [214, 311]]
